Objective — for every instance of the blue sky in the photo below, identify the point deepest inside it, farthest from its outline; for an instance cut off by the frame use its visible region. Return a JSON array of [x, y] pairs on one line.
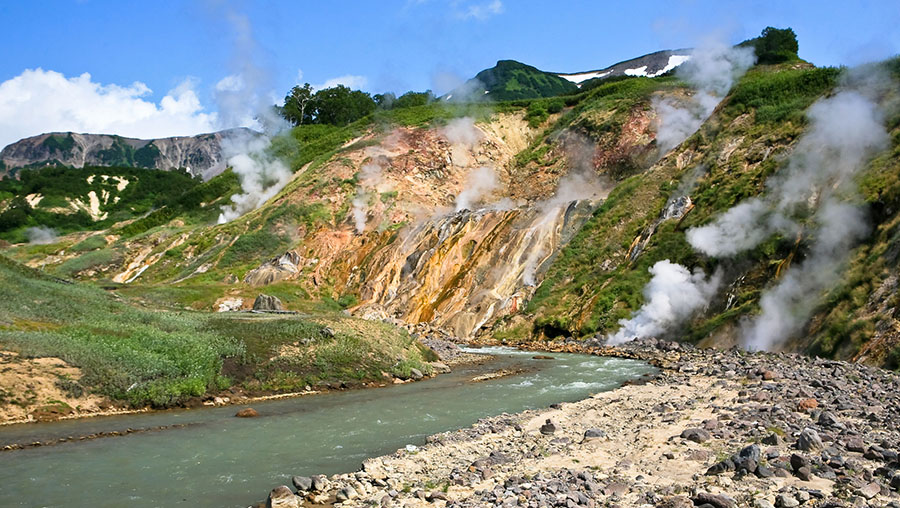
[[181, 50]]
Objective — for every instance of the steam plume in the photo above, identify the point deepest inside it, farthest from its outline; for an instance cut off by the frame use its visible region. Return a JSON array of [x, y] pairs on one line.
[[712, 70], [845, 131], [370, 177], [244, 99], [40, 235], [463, 136], [672, 296], [479, 185]]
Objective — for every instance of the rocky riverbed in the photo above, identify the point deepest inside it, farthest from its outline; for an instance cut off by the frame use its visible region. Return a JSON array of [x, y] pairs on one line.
[[714, 429]]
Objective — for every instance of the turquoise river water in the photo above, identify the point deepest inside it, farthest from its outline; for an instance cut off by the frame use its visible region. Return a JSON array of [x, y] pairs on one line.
[[213, 459]]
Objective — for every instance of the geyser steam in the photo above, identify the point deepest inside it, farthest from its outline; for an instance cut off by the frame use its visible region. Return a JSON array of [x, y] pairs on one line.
[[712, 70], [809, 197], [369, 178], [479, 185], [40, 235], [243, 99], [672, 296], [809, 194]]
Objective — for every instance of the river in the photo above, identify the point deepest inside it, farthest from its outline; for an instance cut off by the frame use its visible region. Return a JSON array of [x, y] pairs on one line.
[[213, 459]]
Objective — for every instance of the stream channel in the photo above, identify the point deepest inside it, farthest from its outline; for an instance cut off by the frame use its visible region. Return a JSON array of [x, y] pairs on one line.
[[211, 459]]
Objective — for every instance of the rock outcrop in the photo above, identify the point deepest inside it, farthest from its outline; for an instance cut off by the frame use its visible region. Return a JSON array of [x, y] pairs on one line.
[[267, 303], [201, 155]]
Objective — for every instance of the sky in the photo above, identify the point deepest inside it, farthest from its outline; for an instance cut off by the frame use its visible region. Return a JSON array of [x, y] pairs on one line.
[[166, 68]]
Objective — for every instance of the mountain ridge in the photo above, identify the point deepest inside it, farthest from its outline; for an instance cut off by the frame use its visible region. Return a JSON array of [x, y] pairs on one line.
[[200, 154]]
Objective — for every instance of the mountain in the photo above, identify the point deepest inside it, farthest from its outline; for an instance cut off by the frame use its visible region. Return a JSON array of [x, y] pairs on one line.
[[481, 222], [511, 80], [201, 155], [650, 66]]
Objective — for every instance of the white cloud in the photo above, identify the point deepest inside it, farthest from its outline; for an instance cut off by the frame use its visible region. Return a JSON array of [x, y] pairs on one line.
[[480, 11], [299, 75], [349, 80], [39, 101]]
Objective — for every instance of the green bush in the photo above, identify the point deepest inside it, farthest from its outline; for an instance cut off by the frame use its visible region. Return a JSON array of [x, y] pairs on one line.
[[774, 45], [90, 243]]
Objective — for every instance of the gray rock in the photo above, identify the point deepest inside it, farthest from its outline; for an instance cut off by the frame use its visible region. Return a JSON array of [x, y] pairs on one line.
[[870, 491], [594, 433], [762, 503], [798, 461], [803, 473], [345, 494], [764, 472], [773, 439], [319, 483], [786, 501], [548, 428], [267, 303], [416, 374], [809, 440], [302, 483], [716, 500], [695, 435], [282, 497]]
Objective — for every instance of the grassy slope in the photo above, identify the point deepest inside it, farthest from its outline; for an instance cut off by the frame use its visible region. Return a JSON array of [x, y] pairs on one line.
[[146, 189], [511, 80], [143, 356], [761, 118]]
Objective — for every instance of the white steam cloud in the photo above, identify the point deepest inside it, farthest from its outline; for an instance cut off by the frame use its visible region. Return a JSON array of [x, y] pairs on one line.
[[262, 175], [712, 70], [810, 193], [479, 185], [463, 137], [40, 235], [672, 296], [787, 306], [244, 97], [580, 183], [369, 178]]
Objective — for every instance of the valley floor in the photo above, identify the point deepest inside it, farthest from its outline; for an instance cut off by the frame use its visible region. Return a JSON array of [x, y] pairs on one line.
[[714, 428]]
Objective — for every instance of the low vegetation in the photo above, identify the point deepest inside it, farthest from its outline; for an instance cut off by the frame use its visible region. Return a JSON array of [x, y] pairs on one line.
[[163, 358]]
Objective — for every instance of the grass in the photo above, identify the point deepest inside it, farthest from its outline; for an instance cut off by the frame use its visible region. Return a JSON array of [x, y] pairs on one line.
[[142, 356]]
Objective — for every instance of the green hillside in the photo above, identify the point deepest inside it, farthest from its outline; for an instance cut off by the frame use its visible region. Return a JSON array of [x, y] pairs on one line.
[[511, 80]]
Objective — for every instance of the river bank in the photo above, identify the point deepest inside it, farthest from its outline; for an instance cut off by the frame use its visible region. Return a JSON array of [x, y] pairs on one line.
[[43, 379], [713, 428]]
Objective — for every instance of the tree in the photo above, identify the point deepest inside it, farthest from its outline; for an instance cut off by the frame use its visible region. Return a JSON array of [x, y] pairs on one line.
[[412, 99], [775, 45], [296, 105], [385, 100], [339, 105]]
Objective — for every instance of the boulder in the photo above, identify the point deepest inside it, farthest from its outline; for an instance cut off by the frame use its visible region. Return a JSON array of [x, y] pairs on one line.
[[440, 368], [267, 303], [548, 429], [319, 483], [809, 440], [282, 497], [695, 435], [807, 405], [870, 491], [302, 483], [416, 374], [594, 434], [786, 501], [247, 412], [717, 500]]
